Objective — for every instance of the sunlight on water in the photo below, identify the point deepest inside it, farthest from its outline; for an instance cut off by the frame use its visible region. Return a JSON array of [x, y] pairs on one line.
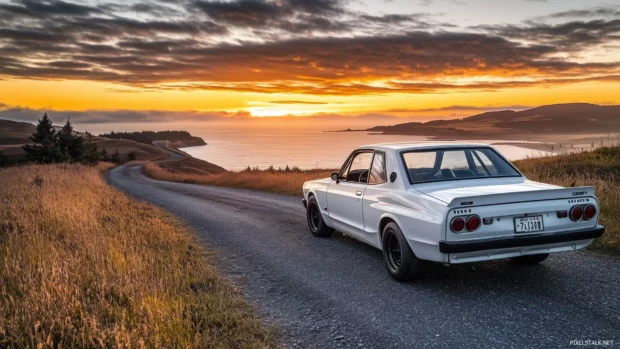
[[238, 145], [236, 150]]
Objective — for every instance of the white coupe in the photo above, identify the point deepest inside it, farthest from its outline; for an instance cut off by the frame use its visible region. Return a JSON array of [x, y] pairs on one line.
[[448, 203]]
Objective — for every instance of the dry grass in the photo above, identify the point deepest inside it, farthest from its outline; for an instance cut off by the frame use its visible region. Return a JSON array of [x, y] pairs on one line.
[[600, 168], [103, 166], [190, 165], [288, 182], [82, 265]]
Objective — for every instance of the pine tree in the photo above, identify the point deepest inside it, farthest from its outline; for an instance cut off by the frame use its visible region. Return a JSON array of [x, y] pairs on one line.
[[91, 153], [116, 158], [70, 144], [45, 148], [131, 156], [104, 155]]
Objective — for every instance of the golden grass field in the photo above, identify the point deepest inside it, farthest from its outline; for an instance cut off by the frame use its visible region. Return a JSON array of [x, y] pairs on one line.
[[600, 167], [82, 265], [272, 181]]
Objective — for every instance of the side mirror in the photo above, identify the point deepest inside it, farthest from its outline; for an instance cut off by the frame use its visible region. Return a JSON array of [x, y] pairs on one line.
[[335, 177]]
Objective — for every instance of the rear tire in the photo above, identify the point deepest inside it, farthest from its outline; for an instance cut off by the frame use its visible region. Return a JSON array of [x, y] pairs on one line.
[[401, 262], [530, 259], [316, 224]]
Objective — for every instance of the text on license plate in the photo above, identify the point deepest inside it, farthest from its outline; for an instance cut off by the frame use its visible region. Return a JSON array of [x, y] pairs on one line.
[[529, 224]]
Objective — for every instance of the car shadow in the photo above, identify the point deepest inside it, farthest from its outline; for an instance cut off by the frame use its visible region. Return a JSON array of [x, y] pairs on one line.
[[504, 275]]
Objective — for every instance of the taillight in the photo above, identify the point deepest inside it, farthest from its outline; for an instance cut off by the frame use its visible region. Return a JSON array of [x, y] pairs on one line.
[[589, 212], [457, 224], [576, 213], [472, 223]]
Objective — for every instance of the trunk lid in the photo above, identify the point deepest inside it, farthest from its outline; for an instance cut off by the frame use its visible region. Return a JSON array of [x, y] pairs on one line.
[[479, 192]]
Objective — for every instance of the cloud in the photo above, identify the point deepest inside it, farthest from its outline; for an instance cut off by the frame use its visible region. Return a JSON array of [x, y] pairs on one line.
[[569, 36], [604, 11], [316, 47], [460, 108], [296, 102], [115, 116]]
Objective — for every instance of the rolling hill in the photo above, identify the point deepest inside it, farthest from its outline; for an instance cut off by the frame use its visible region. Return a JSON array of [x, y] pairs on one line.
[[575, 118], [14, 134]]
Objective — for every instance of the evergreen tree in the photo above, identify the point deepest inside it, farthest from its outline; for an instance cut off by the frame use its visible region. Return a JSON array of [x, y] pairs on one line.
[[70, 144], [131, 156], [91, 153], [116, 158], [45, 148], [104, 155]]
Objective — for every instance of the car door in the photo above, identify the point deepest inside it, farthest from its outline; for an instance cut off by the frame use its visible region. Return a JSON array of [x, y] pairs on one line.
[[375, 193], [344, 197]]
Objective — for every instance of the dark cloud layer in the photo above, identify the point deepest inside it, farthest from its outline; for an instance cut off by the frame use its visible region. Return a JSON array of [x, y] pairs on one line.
[[301, 46]]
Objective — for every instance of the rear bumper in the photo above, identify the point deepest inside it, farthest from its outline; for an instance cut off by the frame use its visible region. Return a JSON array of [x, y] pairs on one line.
[[519, 241]]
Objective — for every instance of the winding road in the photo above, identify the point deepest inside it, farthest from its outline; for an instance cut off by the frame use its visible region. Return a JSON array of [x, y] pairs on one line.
[[335, 293]]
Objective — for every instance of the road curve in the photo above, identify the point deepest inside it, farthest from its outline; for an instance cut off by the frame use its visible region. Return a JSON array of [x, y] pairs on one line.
[[163, 145], [335, 293]]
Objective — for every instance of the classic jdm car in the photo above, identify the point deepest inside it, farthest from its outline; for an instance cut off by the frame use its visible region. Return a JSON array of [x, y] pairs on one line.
[[449, 203]]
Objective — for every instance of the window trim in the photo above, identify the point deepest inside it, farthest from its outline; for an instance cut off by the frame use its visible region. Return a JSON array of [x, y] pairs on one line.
[[384, 167], [404, 163], [347, 164]]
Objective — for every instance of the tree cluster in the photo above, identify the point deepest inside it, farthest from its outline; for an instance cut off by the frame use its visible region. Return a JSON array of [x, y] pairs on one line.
[[55, 146], [147, 137]]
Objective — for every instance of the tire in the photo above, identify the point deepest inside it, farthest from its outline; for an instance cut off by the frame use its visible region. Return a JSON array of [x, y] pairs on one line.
[[401, 262], [531, 259], [316, 224]]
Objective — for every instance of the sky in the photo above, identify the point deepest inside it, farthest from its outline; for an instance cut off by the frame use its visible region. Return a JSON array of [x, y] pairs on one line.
[[198, 60]]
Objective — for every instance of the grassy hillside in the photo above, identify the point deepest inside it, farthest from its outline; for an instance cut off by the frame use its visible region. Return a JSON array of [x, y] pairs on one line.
[[600, 168], [190, 165], [572, 118], [82, 265], [14, 134], [284, 182]]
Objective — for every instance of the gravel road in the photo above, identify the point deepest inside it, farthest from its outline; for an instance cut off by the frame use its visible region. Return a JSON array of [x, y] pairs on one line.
[[335, 293]]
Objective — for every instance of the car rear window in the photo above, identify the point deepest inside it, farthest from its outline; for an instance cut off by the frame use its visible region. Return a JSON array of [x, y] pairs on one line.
[[438, 165]]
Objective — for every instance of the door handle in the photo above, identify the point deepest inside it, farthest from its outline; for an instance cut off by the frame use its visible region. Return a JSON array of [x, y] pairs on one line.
[[358, 193]]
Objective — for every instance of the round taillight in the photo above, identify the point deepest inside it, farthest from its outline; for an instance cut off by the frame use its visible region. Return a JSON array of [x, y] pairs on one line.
[[589, 212], [473, 223], [457, 224], [576, 213]]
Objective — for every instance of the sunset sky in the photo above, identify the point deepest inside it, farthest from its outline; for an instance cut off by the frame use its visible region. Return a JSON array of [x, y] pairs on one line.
[[117, 61]]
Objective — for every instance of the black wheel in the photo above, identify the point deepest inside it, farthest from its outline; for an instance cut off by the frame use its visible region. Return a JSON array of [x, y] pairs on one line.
[[401, 262], [315, 220], [531, 259]]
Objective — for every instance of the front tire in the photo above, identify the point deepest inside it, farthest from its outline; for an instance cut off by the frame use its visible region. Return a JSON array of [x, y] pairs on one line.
[[530, 259], [316, 223], [401, 262]]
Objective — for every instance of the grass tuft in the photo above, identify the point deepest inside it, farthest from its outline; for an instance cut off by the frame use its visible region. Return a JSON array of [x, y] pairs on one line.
[[82, 265]]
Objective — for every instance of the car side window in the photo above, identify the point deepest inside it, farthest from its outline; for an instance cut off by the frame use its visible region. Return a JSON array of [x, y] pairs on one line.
[[358, 168], [377, 171]]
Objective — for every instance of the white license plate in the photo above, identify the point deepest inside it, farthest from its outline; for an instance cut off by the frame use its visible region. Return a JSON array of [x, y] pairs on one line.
[[529, 224]]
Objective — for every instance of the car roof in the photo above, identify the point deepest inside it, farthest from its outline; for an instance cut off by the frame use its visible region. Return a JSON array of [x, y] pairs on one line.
[[398, 146]]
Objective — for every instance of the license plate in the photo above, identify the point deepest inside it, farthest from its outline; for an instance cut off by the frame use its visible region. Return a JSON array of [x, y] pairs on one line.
[[529, 224]]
